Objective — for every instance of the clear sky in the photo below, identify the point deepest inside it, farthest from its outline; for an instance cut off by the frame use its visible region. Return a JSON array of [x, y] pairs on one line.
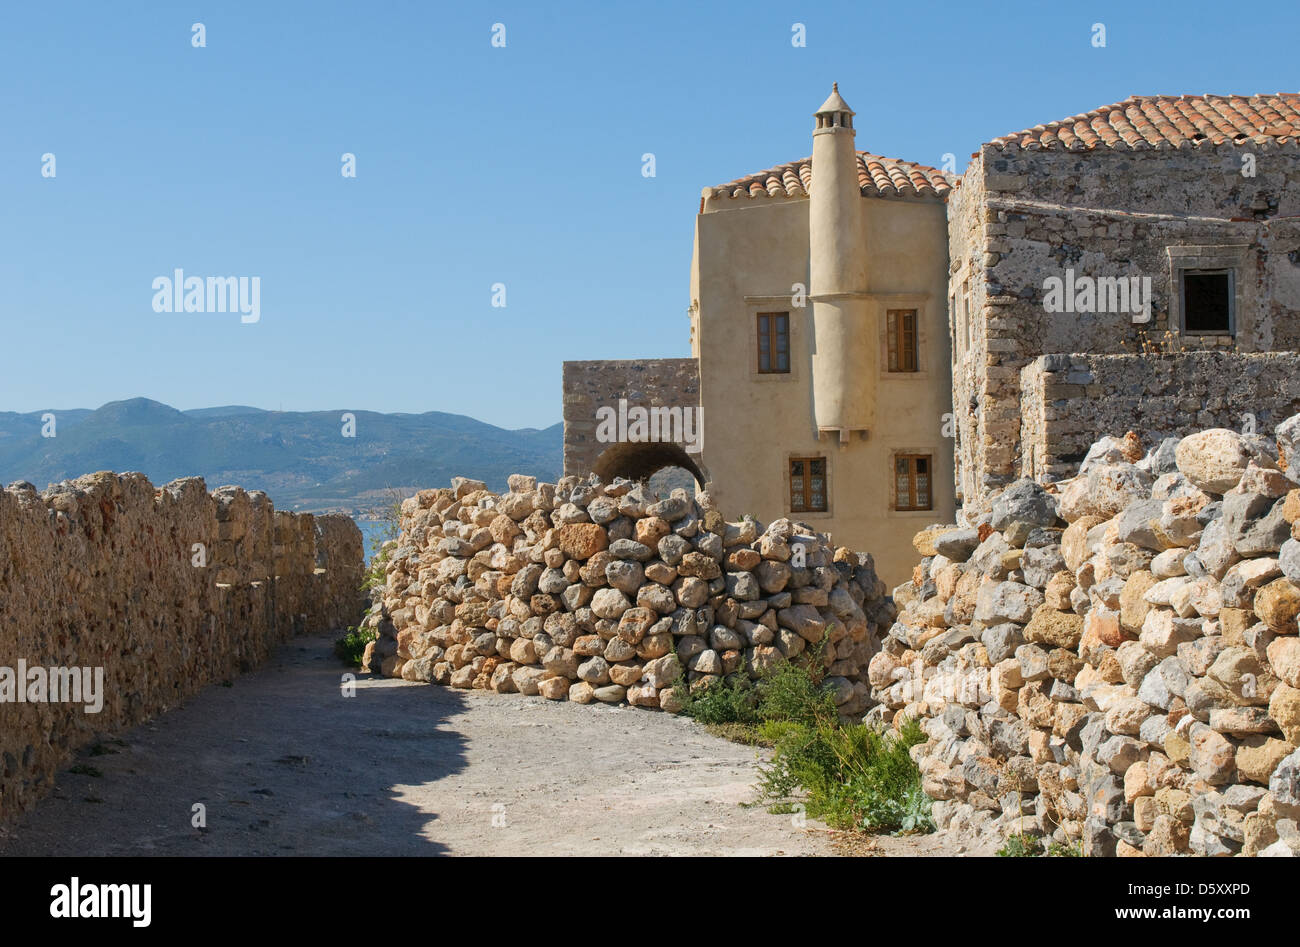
[[477, 165]]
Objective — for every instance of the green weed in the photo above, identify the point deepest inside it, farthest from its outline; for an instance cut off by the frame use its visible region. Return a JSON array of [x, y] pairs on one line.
[[1020, 846], [848, 775], [351, 648]]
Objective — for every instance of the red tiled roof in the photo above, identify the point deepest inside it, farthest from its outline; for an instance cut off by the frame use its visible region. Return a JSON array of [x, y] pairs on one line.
[[877, 176], [1143, 122]]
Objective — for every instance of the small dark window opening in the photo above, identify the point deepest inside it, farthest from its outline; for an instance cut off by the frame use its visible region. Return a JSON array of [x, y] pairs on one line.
[[808, 485], [773, 342], [1207, 301]]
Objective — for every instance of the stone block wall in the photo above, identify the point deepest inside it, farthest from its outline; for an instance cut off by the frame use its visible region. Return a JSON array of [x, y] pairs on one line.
[[585, 590], [1021, 216], [1066, 399], [651, 382], [103, 571]]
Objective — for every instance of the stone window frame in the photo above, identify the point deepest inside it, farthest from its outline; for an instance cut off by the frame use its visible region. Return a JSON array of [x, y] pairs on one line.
[[807, 454], [968, 345], [921, 302], [760, 304], [958, 301], [1233, 258]]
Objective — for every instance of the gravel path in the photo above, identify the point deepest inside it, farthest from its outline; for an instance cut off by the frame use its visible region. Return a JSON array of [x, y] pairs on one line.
[[284, 764]]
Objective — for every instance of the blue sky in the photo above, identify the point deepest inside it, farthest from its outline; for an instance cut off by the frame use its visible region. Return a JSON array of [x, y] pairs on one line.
[[476, 165]]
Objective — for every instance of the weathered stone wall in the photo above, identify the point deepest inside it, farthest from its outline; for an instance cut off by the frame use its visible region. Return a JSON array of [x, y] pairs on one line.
[[587, 591], [1066, 399], [651, 382], [101, 572], [1021, 216], [1113, 661], [980, 443]]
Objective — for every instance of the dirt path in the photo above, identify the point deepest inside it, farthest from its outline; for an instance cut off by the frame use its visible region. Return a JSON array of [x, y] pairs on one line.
[[284, 764]]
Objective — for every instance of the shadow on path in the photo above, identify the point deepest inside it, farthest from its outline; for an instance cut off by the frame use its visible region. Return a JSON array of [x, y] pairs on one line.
[[282, 761]]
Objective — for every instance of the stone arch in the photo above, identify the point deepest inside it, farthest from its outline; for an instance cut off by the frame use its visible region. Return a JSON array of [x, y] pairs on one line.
[[638, 460]]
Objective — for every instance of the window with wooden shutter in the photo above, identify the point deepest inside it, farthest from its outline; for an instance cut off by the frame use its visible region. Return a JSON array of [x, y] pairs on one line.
[[773, 342], [808, 485], [912, 482], [902, 340]]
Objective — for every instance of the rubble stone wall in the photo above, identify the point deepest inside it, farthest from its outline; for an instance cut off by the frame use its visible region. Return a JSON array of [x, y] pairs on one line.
[[585, 590], [103, 571], [1113, 661], [1066, 399]]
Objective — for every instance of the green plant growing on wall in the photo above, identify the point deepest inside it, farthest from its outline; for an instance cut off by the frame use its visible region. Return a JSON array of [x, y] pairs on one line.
[[352, 647]]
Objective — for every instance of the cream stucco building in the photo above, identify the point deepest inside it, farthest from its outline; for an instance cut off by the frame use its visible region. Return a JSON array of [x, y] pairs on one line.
[[820, 324], [819, 330]]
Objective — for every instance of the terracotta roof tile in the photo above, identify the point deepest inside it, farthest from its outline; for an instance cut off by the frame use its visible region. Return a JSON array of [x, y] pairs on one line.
[[1143, 122], [877, 176]]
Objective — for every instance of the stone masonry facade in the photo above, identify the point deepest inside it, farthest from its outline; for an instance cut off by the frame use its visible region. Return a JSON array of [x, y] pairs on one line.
[[651, 383], [1064, 399], [1023, 215]]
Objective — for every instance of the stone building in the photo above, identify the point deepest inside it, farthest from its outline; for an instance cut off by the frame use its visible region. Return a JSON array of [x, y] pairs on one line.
[[880, 342], [1092, 259]]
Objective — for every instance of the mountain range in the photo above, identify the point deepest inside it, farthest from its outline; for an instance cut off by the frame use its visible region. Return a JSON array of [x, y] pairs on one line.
[[300, 458]]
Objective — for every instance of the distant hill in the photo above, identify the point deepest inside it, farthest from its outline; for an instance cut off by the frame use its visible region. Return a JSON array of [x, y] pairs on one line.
[[300, 458]]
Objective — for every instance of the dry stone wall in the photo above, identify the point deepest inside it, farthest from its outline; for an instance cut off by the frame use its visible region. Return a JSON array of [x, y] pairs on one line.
[[1065, 399], [592, 591], [1113, 661], [104, 572]]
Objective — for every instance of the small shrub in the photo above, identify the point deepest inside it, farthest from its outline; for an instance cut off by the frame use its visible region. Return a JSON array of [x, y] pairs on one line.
[[794, 693], [1061, 850], [851, 776], [731, 700], [1020, 846], [351, 648], [854, 776]]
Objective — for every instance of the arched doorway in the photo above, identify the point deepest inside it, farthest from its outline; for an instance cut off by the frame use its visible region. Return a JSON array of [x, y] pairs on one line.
[[639, 461]]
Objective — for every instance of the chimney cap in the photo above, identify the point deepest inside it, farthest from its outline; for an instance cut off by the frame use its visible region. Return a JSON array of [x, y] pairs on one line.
[[835, 103]]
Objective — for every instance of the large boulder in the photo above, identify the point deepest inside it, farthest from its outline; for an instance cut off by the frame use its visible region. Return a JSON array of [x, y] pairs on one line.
[[1215, 460], [1104, 491], [1025, 501]]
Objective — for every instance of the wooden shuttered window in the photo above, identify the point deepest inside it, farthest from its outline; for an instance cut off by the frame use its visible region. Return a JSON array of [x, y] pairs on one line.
[[902, 340], [808, 485], [913, 482], [773, 342]]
